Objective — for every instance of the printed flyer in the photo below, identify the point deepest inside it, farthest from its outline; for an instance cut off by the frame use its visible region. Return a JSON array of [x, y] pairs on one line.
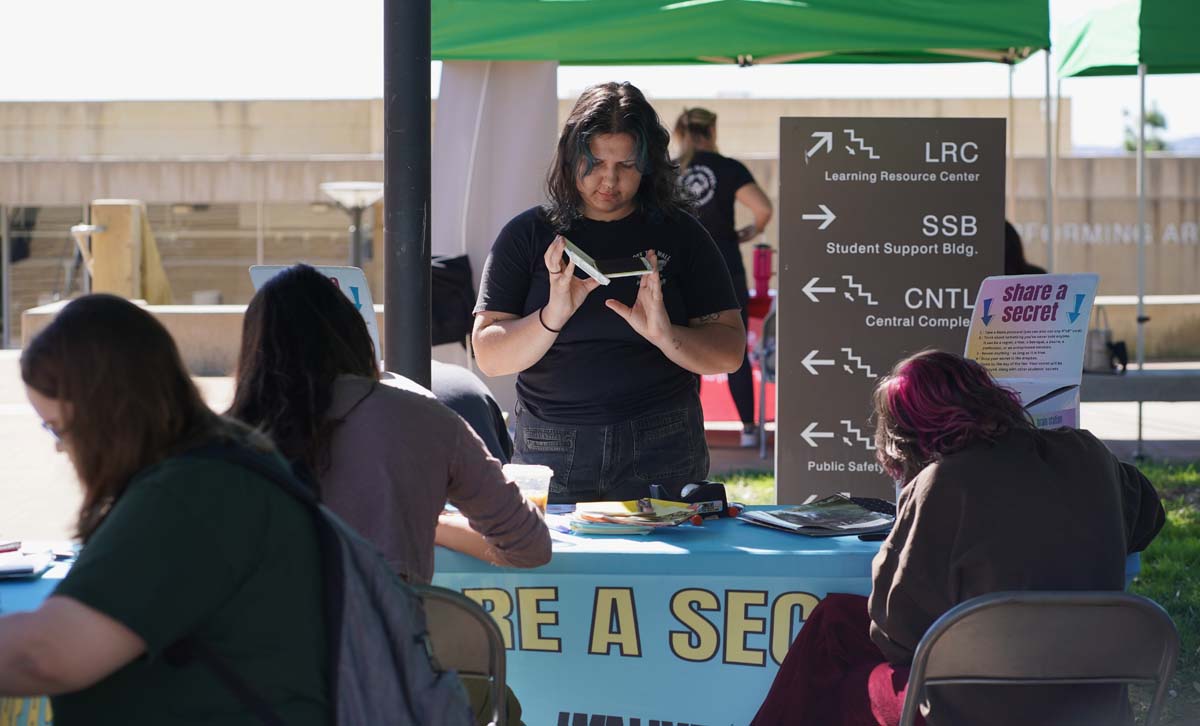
[[1030, 332]]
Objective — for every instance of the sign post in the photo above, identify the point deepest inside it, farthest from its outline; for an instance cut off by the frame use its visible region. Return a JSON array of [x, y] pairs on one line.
[[888, 226]]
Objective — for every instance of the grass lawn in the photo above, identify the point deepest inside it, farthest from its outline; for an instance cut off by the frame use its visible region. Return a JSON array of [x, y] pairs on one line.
[[1171, 577], [1170, 572]]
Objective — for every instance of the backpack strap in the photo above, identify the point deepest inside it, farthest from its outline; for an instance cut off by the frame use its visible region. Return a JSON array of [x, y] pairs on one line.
[[189, 650]]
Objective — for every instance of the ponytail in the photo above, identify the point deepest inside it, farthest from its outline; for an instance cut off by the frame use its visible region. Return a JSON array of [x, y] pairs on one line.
[[693, 123]]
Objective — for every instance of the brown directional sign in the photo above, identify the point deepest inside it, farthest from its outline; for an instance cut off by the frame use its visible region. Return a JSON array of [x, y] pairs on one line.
[[888, 225]]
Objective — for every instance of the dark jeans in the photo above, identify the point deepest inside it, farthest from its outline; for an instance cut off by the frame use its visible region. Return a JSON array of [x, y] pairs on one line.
[[618, 461]]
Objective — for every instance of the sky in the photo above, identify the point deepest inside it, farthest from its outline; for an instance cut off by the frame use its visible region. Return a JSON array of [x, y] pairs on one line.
[[289, 49]]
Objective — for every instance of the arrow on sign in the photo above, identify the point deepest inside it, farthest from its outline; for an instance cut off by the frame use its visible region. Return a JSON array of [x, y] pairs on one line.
[[824, 138], [809, 435], [827, 216], [810, 361], [987, 309], [354, 292], [811, 288], [1079, 298]]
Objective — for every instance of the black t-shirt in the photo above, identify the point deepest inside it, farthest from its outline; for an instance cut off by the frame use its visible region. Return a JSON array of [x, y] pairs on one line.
[[599, 370], [712, 181]]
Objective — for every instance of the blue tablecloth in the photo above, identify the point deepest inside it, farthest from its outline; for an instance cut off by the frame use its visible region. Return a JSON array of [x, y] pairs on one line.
[[686, 626], [21, 596]]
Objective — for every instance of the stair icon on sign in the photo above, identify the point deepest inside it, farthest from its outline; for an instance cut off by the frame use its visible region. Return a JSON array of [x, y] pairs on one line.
[[857, 433], [858, 364], [862, 145], [859, 289]]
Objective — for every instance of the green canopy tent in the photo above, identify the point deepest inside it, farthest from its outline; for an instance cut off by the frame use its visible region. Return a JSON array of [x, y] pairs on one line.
[[642, 32], [747, 32], [598, 32], [1140, 36]]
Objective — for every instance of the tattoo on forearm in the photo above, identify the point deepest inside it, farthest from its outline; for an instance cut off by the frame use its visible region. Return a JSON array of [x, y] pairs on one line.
[[676, 343], [708, 318]]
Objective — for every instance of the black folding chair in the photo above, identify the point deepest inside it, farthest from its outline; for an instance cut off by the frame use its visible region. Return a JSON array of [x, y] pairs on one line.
[[467, 639], [1046, 638]]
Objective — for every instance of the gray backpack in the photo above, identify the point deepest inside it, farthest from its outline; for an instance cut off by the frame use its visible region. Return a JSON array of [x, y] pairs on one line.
[[382, 669]]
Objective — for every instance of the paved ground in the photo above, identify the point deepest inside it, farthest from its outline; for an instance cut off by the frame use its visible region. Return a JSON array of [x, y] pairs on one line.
[[38, 490]]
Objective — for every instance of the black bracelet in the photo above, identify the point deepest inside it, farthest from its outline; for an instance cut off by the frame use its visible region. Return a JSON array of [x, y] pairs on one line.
[[543, 322]]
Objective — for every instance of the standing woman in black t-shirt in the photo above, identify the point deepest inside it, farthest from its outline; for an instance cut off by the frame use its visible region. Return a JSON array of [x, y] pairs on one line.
[[714, 182], [607, 391]]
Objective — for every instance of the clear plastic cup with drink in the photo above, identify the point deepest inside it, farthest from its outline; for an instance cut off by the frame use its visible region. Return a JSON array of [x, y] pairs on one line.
[[533, 480]]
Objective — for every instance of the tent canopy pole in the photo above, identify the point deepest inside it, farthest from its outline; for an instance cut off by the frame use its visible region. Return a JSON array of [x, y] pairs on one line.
[[1057, 146], [1141, 238], [5, 278], [1049, 173], [1010, 183], [406, 180]]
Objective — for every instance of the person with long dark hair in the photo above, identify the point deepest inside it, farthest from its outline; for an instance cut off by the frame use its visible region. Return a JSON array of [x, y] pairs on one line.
[[990, 503], [384, 454], [175, 545], [607, 391], [715, 182]]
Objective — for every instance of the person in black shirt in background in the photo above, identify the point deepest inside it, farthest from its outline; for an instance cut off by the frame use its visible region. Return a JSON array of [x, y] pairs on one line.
[[608, 388], [714, 182], [464, 394], [1014, 254]]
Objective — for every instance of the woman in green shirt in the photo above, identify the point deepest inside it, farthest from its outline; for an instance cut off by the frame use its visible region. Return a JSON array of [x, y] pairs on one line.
[[174, 546]]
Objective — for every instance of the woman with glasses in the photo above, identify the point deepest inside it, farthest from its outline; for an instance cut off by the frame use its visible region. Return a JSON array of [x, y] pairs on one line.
[[176, 545]]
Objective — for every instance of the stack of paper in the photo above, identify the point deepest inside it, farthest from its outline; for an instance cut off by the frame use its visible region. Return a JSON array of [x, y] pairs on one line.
[[828, 517], [632, 517], [18, 564]]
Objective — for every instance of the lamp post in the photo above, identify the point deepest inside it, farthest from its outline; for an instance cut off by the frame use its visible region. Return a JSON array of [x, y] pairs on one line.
[[353, 197]]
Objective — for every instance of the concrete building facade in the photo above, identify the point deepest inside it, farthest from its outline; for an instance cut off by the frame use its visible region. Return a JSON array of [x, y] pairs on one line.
[[229, 184]]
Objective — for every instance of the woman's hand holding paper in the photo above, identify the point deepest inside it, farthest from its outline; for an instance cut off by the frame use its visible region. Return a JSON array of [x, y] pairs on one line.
[[567, 292]]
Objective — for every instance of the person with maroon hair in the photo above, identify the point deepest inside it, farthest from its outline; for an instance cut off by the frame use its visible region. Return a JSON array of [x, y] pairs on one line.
[[989, 503]]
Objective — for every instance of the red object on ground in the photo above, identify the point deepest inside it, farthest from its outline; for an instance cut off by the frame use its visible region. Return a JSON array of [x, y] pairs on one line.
[[834, 674], [758, 307], [763, 255], [760, 301], [714, 390], [697, 520]]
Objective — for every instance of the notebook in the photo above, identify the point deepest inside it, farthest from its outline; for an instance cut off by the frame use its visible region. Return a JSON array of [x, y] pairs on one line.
[[829, 517], [20, 564]]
